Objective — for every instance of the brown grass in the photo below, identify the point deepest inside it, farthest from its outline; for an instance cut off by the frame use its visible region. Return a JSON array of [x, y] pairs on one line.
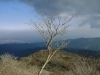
[[10, 66], [63, 63]]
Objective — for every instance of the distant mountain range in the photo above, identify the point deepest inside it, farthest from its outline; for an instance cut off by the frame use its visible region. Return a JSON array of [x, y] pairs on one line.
[[85, 43], [19, 47], [89, 46]]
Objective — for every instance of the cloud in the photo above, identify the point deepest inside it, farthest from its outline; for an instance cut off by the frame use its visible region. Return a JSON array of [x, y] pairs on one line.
[[10, 41], [95, 22], [87, 8], [15, 36], [61, 6], [50, 6]]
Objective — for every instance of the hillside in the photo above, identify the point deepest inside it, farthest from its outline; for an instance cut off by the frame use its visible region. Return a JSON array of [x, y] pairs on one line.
[[62, 62]]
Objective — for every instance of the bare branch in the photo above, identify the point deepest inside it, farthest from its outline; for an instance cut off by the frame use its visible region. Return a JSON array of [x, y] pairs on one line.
[[50, 28]]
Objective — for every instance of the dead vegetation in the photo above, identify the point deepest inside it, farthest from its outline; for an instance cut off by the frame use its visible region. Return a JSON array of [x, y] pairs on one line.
[[63, 63]]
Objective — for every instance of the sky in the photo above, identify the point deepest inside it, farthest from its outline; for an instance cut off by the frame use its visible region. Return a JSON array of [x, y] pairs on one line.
[[15, 14]]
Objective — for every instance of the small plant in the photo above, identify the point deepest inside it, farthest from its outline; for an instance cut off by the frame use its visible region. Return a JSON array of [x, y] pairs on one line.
[[7, 57], [9, 65]]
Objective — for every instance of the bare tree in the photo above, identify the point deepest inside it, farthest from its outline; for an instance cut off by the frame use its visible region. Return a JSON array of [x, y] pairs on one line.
[[51, 28]]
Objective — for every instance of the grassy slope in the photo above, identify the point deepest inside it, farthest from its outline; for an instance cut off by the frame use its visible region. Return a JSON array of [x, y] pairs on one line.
[[63, 63]]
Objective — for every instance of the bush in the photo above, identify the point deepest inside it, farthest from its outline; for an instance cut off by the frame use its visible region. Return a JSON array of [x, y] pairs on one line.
[[9, 65]]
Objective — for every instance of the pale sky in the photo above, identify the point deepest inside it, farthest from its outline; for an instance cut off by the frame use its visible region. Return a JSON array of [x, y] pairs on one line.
[[14, 14]]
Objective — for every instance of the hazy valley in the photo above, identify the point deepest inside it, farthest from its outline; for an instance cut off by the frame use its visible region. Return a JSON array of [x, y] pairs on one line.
[[86, 46]]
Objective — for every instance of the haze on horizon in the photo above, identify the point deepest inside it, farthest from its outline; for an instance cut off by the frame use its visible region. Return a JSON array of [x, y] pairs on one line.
[[14, 14]]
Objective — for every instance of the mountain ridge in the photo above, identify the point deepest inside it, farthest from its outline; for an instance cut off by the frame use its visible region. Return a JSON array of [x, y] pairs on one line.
[[79, 45]]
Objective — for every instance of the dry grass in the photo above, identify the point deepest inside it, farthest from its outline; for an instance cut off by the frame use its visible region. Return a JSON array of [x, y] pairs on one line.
[[87, 67], [63, 63], [10, 66]]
